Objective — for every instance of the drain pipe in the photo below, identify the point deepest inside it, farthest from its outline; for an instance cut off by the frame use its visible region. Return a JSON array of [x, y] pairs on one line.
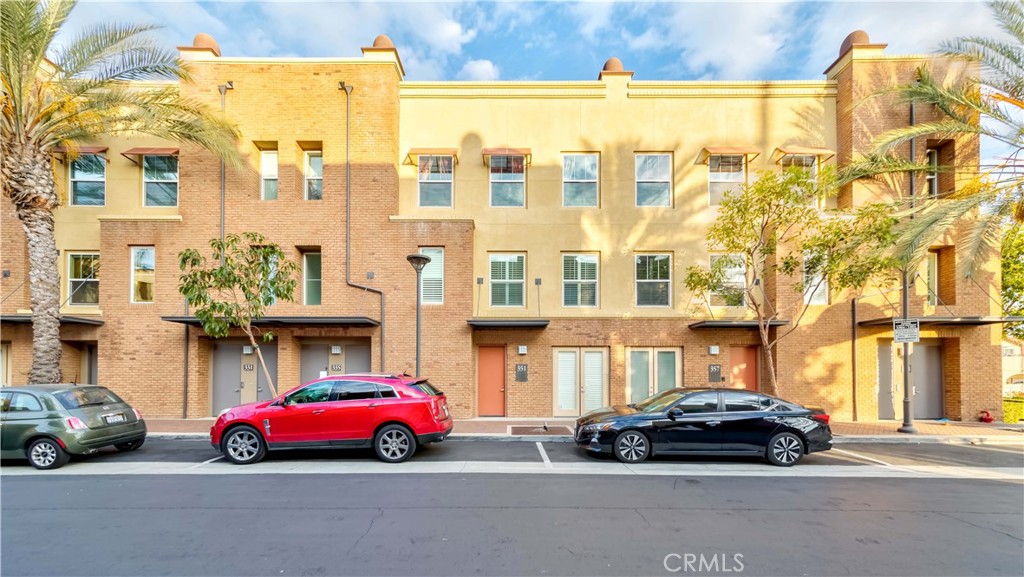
[[853, 352], [223, 88], [184, 388], [348, 214]]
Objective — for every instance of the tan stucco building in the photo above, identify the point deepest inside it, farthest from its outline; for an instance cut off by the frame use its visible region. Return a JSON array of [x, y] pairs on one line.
[[560, 217]]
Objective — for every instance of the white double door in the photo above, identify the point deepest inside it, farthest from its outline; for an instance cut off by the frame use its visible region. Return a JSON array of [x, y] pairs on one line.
[[581, 380], [652, 370]]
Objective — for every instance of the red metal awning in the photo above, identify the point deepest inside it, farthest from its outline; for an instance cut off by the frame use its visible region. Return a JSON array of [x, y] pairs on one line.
[[524, 152], [708, 151], [63, 150], [148, 151], [414, 154], [823, 154]]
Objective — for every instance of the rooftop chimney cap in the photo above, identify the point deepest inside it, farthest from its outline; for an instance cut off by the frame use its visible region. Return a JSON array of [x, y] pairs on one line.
[[855, 37], [382, 41], [204, 40], [613, 65]]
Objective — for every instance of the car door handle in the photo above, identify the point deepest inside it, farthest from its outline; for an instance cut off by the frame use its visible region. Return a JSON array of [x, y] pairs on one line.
[[372, 405], [714, 423], [771, 418], [318, 411]]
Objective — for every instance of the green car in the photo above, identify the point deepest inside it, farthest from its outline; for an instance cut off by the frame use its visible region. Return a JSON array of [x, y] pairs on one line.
[[48, 423]]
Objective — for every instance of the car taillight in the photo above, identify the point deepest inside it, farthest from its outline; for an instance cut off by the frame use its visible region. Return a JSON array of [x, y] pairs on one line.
[[823, 417], [76, 424], [138, 415]]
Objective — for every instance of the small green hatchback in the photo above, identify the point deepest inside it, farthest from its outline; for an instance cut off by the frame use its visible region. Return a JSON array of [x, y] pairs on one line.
[[48, 423]]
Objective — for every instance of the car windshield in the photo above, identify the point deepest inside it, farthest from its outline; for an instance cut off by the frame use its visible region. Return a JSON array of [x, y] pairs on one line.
[[92, 396], [426, 388], [657, 403]]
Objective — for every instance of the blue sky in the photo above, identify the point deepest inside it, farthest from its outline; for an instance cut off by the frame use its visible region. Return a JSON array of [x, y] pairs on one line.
[[525, 40]]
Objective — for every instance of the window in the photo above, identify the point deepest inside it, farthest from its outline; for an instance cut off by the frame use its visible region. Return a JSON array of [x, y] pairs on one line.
[[268, 175], [436, 181], [354, 391], [311, 282], [314, 393], [579, 280], [652, 371], [314, 171], [579, 180], [807, 162], [433, 276], [739, 401], [508, 181], [20, 403], [160, 180], [932, 176], [933, 277], [653, 280], [386, 392], [143, 273], [83, 279], [697, 403], [726, 172], [508, 280], [815, 285], [79, 397], [654, 180], [88, 176], [734, 286]]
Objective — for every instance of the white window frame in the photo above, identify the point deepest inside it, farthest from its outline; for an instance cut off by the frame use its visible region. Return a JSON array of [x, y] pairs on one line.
[[436, 254], [813, 297], [596, 180], [72, 180], [72, 279], [932, 176], [131, 286], [637, 281], [667, 180], [450, 180], [490, 261], [265, 173], [176, 181], [713, 178], [739, 259], [307, 169], [306, 280], [596, 282], [491, 181]]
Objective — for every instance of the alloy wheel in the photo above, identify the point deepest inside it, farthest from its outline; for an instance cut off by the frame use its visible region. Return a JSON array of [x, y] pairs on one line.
[[394, 444], [43, 454], [243, 445], [632, 447], [787, 449]]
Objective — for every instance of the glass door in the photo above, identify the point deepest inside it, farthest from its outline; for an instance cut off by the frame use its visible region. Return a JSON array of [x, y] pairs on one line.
[[581, 380], [652, 370]]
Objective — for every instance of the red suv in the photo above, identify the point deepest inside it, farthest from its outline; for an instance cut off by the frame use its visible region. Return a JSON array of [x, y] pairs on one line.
[[394, 413]]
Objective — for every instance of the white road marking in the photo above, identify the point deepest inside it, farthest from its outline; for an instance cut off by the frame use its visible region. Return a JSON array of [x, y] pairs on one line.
[[544, 455], [864, 457], [207, 462]]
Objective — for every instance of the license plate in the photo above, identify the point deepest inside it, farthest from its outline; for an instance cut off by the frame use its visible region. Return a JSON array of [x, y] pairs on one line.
[[111, 419]]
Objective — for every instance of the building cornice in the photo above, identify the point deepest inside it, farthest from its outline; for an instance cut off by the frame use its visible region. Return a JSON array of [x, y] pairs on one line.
[[731, 89], [140, 217], [634, 89], [509, 89]]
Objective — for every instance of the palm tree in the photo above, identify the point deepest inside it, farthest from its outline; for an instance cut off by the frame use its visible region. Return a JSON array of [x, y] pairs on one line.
[[990, 105], [58, 96]]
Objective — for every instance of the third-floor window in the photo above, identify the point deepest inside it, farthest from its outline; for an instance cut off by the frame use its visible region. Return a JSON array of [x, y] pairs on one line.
[[435, 180], [160, 180], [268, 175], [314, 172], [654, 180], [726, 173], [579, 180], [88, 180], [508, 181]]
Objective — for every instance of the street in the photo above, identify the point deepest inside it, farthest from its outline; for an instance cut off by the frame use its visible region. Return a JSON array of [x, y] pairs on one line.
[[468, 508]]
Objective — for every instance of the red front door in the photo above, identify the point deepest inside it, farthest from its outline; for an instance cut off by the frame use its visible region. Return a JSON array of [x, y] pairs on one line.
[[743, 362], [490, 379]]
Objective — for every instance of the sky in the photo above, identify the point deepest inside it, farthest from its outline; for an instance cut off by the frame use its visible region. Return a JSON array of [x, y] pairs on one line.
[[525, 40]]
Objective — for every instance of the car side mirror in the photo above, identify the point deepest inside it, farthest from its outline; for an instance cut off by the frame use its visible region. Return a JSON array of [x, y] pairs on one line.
[[675, 413]]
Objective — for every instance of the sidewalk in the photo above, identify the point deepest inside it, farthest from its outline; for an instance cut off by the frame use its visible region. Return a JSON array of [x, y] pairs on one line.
[[561, 430]]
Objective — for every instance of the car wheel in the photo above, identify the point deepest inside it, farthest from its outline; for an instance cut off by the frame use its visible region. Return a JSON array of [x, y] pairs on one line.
[[785, 450], [46, 454], [243, 446], [130, 445], [394, 444], [632, 447]]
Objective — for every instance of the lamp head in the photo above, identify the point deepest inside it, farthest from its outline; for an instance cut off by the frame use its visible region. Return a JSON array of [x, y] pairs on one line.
[[418, 261]]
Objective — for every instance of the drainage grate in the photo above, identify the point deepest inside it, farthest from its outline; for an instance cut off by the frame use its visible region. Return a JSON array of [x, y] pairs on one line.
[[530, 430]]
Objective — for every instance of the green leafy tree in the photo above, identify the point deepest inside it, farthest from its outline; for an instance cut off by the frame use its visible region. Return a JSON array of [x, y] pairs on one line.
[[773, 232], [245, 276], [1013, 280], [60, 96]]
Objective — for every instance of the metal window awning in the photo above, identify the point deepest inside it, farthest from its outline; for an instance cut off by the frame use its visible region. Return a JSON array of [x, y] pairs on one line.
[[524, 152], [24, 319], [289, 321], [708, 151], [734, 324], [945, 321], [413, 156], [98, 150], [508, 323], [823, 154], [132, 154]]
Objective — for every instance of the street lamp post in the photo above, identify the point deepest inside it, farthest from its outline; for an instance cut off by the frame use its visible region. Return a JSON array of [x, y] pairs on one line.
[[418, 261]]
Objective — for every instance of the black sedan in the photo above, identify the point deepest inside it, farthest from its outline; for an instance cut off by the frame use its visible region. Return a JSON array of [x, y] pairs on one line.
[[706, 422]]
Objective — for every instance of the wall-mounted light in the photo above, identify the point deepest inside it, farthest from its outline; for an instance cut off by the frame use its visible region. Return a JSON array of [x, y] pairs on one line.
[[522, 349], [335, 349], [246, 349], [479, 280], [713, 350], [536, 281]]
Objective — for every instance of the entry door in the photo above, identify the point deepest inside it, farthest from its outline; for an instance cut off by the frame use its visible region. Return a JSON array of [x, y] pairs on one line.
[[233, 384], [581, 380], [490, 378], [5, 364], [886, 396], [743, 363], [653, 370], [249, 368], [926, 371]]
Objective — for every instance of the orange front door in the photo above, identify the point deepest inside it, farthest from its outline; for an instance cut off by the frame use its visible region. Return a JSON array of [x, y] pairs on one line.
[[490, 381], [743, 361]]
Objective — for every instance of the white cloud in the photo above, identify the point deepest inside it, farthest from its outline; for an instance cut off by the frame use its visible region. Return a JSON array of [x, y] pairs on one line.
[[593, 17], [479, 70]]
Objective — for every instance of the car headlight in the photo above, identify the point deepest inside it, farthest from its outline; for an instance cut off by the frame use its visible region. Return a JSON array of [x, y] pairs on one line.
[[222, 413], [596, 427]]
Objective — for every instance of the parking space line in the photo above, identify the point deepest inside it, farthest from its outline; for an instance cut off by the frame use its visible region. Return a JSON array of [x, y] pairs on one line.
[[872, 460], [544, 455], [207, 462]]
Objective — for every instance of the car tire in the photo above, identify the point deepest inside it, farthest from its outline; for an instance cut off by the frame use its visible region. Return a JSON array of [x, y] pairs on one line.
[[631, 447], [243, 446], [46, 454], [785, 450], [394, 444], [130, 445]]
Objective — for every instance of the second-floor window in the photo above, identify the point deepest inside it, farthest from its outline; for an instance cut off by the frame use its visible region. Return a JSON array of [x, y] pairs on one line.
[[579, 280], [932, 176], [654, 180], [932, 278], [815, 285], [806, 162], [84, 279], [579, 180], [726, 173], [653, 280], [314, 171], [88, 180], [268, 175], [311, 279], [508, 181], [432, 278], [160, 180], [143, 274], [733, 291], [435, 180], [508, 280]]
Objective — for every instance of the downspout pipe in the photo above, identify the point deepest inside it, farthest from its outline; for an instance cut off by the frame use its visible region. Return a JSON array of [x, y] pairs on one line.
[[223, 88], [853, 352], [348, 214]]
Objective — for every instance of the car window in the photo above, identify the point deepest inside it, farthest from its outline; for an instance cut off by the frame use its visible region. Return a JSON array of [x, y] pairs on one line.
[[767, 403], [658, 403], [22, 403], [5, 402], [354, 391], [387, 392], [740, 401], [426, 388], [86, 397], [315, 393], [706, 402]]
